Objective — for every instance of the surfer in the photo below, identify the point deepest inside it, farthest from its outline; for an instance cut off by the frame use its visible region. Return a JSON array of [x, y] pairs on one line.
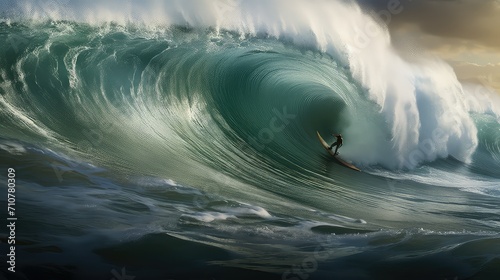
[[337, 143]]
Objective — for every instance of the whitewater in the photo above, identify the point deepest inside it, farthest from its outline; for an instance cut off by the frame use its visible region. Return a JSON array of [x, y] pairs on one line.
[[177, 139]]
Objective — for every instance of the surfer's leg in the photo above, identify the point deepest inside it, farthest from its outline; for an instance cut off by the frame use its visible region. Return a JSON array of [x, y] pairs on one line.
[[331, 146], [336, 149]]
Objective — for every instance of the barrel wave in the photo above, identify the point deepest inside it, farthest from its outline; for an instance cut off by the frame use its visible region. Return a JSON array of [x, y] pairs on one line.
[[217, 87], [153, 129]]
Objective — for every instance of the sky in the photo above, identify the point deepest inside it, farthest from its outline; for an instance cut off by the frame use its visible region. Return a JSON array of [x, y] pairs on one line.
[[465, 33]]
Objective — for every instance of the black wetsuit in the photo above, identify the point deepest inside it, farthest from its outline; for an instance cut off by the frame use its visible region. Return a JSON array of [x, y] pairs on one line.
[[338, 143]]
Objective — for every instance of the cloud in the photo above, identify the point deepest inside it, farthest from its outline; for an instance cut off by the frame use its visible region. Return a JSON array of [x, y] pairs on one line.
[[488, 74], [463, 32], [472, 20]]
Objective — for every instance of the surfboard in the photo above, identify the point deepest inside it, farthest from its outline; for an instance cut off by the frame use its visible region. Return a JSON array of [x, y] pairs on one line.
[[337, 157]]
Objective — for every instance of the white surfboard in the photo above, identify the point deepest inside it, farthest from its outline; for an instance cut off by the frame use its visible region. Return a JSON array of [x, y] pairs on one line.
[[339, 159]]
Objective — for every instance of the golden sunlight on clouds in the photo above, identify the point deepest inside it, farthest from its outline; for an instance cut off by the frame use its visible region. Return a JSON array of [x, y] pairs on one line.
[[483, 74], [465, 33]]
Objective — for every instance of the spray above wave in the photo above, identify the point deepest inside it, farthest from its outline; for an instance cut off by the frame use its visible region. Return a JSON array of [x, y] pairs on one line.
[[423, 105]]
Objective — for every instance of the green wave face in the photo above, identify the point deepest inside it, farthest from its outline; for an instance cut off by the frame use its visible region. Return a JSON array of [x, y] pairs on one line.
[[131, 97], [184, 89]]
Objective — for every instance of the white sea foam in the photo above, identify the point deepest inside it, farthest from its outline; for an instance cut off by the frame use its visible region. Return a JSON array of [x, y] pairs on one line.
[[12, 147], [208, 217]]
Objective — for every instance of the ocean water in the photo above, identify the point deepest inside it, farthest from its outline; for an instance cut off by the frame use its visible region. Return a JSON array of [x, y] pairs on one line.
[[177, 140]]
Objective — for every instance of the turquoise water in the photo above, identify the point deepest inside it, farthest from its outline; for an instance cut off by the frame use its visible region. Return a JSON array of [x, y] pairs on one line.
[[190, 153]]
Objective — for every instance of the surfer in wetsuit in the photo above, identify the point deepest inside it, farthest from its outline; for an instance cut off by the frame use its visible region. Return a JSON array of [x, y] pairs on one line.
[[337, 143]]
